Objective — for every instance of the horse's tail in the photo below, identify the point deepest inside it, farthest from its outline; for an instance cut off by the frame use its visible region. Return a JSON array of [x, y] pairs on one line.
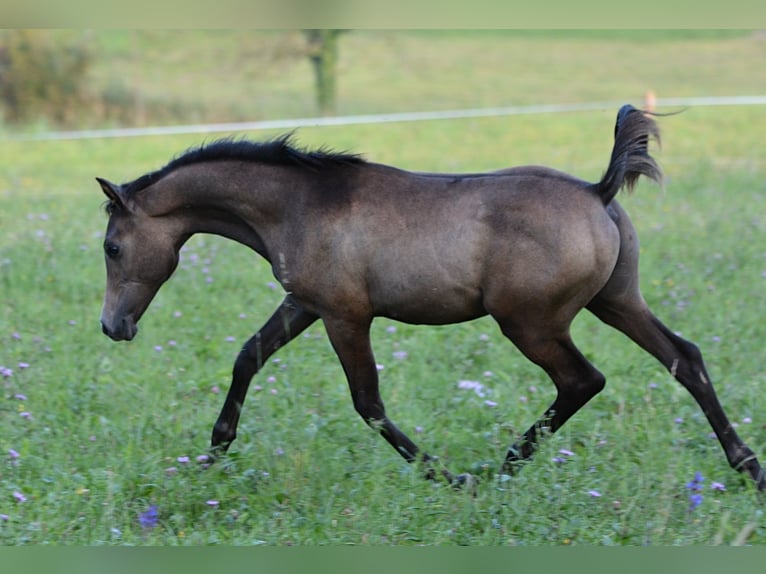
[[630, 158]]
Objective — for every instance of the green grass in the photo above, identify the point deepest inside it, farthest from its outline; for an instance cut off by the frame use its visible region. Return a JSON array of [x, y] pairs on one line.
[[107, 422]]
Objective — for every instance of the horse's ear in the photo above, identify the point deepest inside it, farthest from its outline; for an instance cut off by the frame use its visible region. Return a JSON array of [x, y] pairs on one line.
[[111, 190]]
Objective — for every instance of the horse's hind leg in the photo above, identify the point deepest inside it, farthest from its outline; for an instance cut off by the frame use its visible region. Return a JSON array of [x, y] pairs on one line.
[[683, 359], [576, 381], [351, 341], [287, 322]]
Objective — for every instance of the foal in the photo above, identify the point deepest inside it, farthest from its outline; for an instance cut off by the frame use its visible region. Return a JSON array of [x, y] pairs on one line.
[[350, 240]]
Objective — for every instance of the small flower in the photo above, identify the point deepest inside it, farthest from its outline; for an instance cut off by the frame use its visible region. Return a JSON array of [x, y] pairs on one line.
[[695, 500], [696, 482], [19, 496], [23, 365], [20, 397], [474, 386], [558, 460], [183, 459], [695, 486], [158, 348], [6, 372], [400, 355], [279, 451], [25, 415], [566, 452], [171, 470], [230, 339], [390, 329], [213, 503], [272, 379], [594, 493], [718, 486], [215, 389], [490, 404], [149, 518], [13, 454], [4, 517], [522, 399], [678, 420], [747, 420], [203, 458], [418, 429]]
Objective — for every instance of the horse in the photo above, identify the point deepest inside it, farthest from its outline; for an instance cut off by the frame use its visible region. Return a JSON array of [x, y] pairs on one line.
[[350, 240]]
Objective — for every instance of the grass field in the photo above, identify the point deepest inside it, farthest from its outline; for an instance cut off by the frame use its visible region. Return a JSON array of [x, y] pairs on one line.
[[94, 435]]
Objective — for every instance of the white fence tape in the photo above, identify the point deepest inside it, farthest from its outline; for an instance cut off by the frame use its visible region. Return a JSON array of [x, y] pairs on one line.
[[288, 124]]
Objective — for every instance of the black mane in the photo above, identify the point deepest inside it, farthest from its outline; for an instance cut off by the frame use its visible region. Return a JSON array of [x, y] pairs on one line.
[[279, 151]]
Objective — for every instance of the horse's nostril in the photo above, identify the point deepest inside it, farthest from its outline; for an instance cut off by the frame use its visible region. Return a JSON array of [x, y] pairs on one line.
[[104, 330]]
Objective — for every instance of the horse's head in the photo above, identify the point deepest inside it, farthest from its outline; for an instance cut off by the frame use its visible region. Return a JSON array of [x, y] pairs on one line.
[[141, 253]]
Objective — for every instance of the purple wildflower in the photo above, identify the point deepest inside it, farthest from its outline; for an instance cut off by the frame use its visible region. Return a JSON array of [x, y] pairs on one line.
[[5, 371], [490, 404], [203, 458], [474, 386], [19, 496], [718, 486], [4, 517], [695, 486], [400, 355], [23, 365], [20, 397], [13, 454], [594, 493], [149, 519], [213, 503], [183, 459], [566, 452]]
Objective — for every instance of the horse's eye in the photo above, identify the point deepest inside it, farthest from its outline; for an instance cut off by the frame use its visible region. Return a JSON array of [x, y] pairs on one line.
[[111, 250]]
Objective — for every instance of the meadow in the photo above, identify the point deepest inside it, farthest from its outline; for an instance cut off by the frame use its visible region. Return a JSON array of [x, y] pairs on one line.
[[105, 444]]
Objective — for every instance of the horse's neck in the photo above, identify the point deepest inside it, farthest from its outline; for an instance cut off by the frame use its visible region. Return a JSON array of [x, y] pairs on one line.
[[213, 199]]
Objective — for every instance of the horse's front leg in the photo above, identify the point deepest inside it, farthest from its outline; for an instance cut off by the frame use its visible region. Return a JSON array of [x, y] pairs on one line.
[[287, 322], [351, 341]]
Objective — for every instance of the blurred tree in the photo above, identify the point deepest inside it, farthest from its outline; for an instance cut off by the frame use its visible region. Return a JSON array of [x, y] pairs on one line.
[[323, 53], [43, 76]]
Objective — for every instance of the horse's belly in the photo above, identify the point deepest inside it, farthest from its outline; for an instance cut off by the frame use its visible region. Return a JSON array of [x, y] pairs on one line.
[[426, 298]]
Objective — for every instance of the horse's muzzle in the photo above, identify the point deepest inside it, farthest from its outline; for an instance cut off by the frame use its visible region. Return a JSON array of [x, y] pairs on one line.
[[125, 331]]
